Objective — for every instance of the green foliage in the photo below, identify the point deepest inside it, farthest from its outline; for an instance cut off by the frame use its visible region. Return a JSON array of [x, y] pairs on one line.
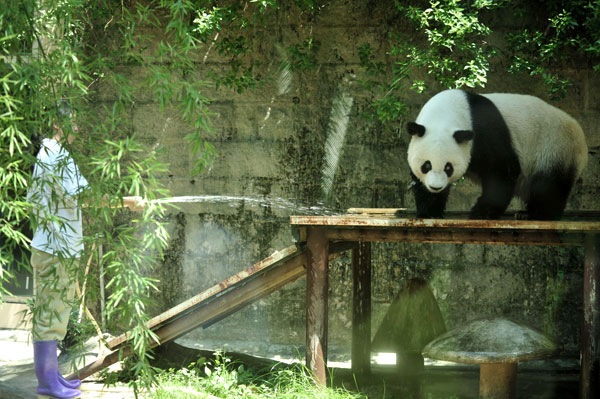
[[264, 4], [226, 379], [456, 53], [388, 106], [84, 51], [449, 45], [571, 30], [227, 29], [307, 5], [236, 30], [54, 50]]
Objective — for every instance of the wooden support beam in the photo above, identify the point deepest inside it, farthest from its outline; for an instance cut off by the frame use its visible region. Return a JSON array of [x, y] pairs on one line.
[[375, 226], [190, 304], [361, 309], [508, 215], [218, 302], [317, 284], [455, 236], [589, 382], [215, 307]]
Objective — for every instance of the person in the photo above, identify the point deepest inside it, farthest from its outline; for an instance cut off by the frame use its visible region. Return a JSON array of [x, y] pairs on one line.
[[56, 247]]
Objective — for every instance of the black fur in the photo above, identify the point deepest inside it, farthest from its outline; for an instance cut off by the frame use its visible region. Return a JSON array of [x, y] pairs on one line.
[[462, 136], [493, 159], [548, 193], [429, 205]]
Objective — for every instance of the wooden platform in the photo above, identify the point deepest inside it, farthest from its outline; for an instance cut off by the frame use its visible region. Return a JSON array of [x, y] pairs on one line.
[[381, 227], [367, 226]]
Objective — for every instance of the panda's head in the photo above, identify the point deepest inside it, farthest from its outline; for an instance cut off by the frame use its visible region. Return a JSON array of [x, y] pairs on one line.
[[440, 149]]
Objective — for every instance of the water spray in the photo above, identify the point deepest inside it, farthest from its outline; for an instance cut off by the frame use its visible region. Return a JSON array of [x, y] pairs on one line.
[[265, 202]]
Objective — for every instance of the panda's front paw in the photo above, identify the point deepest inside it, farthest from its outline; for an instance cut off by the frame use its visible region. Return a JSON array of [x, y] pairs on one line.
[[478, 217], [403, 213], [485, 211]]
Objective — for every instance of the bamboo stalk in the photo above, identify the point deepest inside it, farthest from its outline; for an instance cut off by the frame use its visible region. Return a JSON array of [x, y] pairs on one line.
[[81, 295]]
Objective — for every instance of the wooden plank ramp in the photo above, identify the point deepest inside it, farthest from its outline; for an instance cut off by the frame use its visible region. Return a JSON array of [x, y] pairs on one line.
[[217, 302]]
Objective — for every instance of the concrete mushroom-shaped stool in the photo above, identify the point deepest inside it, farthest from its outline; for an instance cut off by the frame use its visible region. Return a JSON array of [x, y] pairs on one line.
[[497, 345]]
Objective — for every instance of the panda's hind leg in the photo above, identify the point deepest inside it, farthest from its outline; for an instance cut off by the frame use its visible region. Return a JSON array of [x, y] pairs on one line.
[[548, 194]]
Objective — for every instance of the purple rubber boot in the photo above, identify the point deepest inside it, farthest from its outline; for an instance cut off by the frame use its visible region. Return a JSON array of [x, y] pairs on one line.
[[73, 384], [46, 371]]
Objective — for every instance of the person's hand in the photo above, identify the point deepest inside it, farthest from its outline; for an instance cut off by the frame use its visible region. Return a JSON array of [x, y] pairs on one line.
[[135, 203]]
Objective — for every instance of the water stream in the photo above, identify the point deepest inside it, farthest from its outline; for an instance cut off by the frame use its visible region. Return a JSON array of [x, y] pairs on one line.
[[262, 202]]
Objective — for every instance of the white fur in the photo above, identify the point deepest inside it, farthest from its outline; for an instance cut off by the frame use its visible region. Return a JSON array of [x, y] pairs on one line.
[[542, 136], [442, 115]]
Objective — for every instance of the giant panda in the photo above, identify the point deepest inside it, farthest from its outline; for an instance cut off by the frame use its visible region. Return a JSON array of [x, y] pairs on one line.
[[511, 144]]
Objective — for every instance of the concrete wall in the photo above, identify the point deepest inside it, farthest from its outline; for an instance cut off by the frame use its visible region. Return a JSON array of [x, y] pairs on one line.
[[271, 145]]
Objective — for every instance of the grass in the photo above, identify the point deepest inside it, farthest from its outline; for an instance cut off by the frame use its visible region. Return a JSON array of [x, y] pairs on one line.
[[222, 378], [215, 376]]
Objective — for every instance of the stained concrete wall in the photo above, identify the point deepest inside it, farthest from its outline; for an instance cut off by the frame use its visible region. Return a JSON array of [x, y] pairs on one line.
[[271, 145]]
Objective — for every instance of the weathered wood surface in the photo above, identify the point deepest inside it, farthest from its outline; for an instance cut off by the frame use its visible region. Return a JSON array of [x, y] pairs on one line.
[[385, 221], [366, 225], [361, 309], [379, 227], [508, 215], [589, 382], [218, 302], [190, 304]]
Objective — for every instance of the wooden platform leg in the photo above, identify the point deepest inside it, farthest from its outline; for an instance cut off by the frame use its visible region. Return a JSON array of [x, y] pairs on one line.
[[317, 283], [589, 384], [361, 309]]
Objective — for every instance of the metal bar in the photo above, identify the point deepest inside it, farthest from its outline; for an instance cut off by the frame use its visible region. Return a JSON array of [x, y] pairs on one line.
[[361, 309], [448, 236], [317, 282], [589, 383]]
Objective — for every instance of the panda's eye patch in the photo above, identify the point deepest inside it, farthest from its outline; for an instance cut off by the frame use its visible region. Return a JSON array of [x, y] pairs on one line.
[[426, 167], [449, 169]]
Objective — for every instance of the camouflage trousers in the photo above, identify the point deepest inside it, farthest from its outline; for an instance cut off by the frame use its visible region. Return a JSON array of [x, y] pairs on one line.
[[54, 293]]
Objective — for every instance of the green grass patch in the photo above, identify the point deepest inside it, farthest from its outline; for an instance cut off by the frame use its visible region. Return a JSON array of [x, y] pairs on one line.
[[223, 378]]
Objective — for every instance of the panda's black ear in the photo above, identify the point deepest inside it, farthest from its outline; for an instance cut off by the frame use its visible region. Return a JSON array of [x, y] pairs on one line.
[[414, 128], [462, 136]]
